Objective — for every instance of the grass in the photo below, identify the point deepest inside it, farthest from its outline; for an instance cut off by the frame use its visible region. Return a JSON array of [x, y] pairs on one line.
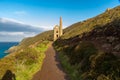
[[88, 63], [24, 64], [71, 56], [45, 36], [70, 70], [25, 70]]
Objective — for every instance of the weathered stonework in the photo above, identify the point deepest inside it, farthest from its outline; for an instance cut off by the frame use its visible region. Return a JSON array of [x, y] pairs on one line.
[[58, 30], [108, 9]]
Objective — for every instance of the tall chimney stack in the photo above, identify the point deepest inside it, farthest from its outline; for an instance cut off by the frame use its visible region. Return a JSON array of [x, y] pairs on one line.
[[60, 28]]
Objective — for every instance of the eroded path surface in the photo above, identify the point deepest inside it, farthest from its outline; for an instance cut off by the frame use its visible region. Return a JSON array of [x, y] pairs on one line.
[[51, 68]]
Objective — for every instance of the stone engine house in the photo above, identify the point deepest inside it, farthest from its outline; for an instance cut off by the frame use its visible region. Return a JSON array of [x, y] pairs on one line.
[[58, 30]]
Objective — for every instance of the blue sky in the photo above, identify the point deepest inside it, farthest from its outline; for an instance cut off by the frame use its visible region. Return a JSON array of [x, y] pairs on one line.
[[44, 14]]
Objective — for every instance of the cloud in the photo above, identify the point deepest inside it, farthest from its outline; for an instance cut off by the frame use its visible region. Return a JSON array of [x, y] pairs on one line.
[[11, 33], [20, 13], [12, 25], [13, 30], [24, 34], [14, 36], [9, 20]]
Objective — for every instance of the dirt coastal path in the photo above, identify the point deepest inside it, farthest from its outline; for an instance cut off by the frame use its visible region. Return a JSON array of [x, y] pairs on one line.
[[51, 68]]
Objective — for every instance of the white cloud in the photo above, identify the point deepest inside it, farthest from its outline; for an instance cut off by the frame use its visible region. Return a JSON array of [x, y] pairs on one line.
[[14, 30], [6, 20], [11, 20], [9, 24], [15, 36], [29, 34], [47, 28], [20, 13], [24, 34], [11, 33]]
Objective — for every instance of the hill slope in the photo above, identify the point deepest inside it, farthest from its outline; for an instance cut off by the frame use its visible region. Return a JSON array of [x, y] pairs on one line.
[[90, 50], [88, 25], [25, 59], [48, 35]]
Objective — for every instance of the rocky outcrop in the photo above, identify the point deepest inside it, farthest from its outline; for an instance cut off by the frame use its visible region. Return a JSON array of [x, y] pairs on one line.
[[12, 49]]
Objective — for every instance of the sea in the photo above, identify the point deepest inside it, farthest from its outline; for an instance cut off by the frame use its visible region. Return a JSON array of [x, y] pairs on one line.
[[5, 46]]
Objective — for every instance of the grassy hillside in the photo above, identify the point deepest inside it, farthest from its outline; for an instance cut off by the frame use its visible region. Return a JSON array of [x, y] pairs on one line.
[[26, 58], [23, 64], [90, 50], [29, 61], [48, 35], [88, 25]]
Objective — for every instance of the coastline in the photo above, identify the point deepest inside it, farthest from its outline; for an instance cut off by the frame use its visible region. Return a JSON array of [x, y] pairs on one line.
[[7, 47]]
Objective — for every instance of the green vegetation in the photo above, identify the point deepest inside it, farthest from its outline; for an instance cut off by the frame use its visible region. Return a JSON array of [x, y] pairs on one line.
[[20, 62], [7, 63], [26, 63], [69, 69], [84, 62], [27, 57], [29, 61], [45, 36]]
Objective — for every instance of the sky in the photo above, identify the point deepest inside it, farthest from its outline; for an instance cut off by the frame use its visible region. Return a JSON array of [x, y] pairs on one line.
[[26, 18]]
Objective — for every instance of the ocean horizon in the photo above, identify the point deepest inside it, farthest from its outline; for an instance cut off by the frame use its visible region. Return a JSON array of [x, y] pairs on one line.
[[5, 46]]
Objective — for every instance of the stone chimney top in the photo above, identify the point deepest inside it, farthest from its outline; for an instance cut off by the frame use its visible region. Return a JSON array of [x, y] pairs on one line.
[[108, 9]]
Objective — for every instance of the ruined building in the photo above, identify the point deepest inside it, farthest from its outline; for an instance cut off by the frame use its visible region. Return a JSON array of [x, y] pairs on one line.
[[58, 30]]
